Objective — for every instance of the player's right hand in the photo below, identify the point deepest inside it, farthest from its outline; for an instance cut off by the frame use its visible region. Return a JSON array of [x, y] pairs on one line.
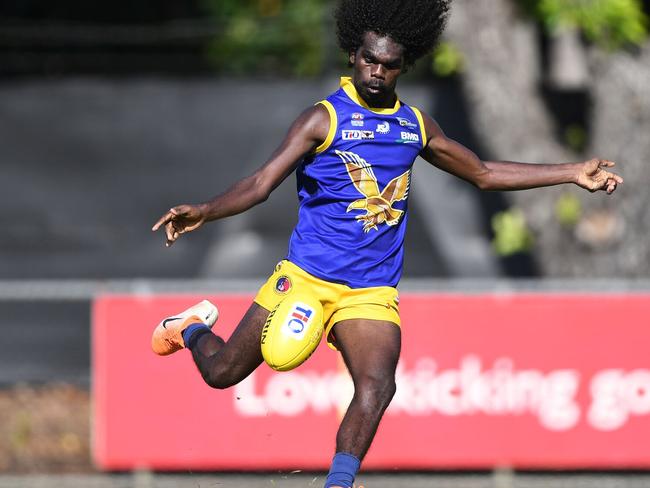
[[179, 220]]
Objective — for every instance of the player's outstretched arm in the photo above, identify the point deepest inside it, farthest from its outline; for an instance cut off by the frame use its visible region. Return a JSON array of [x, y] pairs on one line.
[[306, 133], [456, 159]]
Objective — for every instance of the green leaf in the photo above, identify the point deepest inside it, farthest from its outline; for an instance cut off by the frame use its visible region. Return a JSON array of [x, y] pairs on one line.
[[447, 60], [568, 209], [511, 234]]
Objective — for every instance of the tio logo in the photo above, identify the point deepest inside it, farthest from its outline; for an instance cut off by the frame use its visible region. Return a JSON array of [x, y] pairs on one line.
[[299, 318]]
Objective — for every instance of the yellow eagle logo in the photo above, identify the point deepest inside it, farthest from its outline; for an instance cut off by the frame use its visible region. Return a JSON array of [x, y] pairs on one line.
[[378, 206]]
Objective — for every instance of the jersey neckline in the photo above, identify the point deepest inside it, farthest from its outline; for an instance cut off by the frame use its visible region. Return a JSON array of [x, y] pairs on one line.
[[351, 91]]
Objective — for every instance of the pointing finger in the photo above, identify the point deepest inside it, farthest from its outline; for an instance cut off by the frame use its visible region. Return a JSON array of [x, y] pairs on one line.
[[168, 217], [165, 219], [162, 221]]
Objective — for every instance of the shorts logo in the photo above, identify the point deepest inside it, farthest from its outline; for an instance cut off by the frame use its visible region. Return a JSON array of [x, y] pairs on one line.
[[357, 135], [298, 318], [407, 137], [283, 284], [383, 128], [406, 123], [357, 119]]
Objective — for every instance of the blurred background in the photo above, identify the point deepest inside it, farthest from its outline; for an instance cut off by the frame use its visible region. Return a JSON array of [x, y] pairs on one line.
[[111, 112]]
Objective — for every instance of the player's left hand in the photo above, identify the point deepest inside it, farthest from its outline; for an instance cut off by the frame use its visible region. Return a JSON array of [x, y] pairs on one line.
[[593, 177]]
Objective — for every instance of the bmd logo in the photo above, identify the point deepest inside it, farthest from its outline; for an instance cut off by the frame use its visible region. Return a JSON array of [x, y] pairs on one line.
[[409, 137]]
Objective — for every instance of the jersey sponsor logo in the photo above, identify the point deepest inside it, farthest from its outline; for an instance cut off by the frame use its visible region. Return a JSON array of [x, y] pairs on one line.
[[383, 128], [377, 205], [406, 123], [283, 285], [407, 137], [357, 119], [357, 135]]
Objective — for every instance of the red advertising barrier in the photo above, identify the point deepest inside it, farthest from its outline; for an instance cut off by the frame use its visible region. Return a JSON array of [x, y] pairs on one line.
[[529, 381]]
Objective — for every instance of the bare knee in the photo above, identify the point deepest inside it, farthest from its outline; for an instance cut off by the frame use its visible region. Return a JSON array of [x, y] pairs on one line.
[[375, 392]]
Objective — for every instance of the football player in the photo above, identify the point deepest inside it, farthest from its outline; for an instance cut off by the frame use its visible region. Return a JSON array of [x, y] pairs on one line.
[[352, 154]]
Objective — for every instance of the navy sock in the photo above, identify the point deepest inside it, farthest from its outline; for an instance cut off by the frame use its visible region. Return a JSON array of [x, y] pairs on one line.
[[192, 333], [343, 470]]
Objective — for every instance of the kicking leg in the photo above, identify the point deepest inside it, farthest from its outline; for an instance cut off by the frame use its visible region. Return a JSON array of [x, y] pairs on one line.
[[223, 364]]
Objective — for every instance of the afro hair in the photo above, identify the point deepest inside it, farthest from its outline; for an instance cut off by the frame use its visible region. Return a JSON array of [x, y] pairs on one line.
[[415, 24]]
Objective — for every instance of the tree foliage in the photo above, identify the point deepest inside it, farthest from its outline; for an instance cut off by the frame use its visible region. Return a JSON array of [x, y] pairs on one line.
[[268, 36], [609, 23], [290, 37]]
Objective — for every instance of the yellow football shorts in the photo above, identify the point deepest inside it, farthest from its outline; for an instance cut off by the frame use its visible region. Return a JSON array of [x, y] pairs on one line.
[[340, 302]]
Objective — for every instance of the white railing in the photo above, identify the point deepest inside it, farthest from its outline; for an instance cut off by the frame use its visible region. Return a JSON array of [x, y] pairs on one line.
[[77, 290]]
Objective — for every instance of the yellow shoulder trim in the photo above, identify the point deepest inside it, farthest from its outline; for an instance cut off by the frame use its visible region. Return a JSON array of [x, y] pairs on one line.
[[332, 130], [351, 91], [423, 131]]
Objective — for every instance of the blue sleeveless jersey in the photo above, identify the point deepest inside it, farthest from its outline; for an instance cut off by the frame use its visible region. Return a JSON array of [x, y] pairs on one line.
[[353, 192]]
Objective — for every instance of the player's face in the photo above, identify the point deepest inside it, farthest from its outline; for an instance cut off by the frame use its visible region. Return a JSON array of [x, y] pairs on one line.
[[377, 65]]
